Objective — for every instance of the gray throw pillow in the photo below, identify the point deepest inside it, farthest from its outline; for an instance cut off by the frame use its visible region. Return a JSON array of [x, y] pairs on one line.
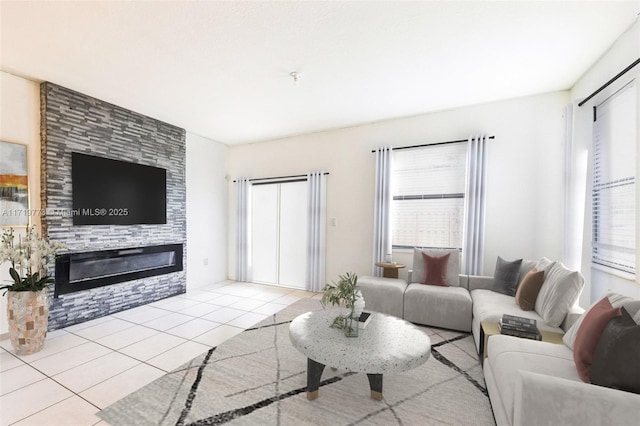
[[505, 278], [615, 360]]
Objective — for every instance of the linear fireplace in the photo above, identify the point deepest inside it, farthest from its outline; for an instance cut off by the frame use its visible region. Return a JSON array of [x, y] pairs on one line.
[[82, 271]]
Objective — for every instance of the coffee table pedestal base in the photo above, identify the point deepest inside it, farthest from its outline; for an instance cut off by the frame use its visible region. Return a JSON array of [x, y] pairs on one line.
[[314, 374]]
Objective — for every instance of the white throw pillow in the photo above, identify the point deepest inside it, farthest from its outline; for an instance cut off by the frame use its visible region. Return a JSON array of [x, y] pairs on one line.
[[453, 266], [559, 292], [617, 301], [545, 265]]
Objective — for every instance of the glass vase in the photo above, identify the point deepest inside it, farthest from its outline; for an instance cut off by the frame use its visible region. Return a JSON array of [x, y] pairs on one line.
[[351, 325]]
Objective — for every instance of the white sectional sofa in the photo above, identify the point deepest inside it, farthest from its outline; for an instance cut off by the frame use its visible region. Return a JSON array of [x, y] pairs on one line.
[[529, 382], [438, 306], [536, 383]]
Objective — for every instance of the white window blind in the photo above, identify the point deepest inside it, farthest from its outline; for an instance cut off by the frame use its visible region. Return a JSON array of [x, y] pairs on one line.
[[614, 181], [428, 187]]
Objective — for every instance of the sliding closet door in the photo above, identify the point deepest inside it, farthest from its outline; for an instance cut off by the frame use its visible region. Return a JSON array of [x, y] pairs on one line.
[[264, 233], [279, 233], [293, 234]]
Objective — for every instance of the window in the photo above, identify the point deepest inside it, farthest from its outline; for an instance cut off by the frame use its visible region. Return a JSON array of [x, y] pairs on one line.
[[614, 181], [428, 186]]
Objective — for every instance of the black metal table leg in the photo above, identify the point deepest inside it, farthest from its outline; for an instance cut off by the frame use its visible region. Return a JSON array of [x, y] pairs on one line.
[[314, 373], [375, 383]]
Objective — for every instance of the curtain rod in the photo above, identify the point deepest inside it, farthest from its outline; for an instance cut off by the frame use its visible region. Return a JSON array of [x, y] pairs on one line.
[[432, 144], [604, 86], [281, 177]]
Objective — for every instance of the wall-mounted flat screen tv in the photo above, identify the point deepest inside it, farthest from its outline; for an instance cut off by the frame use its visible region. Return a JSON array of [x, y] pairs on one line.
[[113, 192]]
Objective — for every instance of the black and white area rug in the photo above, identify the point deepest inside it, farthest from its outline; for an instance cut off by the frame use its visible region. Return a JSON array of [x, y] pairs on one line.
[[258, 378]]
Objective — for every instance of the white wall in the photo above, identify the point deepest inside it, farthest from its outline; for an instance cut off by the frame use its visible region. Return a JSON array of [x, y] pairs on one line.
[[524, 182], [621, 54], [206, 211], [206, 184], [20, 123]]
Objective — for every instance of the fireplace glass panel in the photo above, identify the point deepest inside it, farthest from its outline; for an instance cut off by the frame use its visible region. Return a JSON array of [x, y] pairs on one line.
[[99, 268], [86, 270]]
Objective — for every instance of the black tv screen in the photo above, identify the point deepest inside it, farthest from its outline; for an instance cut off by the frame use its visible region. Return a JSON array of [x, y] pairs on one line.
[[113, 192]]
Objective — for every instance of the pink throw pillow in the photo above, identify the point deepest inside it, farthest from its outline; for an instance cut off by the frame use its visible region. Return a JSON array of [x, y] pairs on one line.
[[435, 269], [588, 335]]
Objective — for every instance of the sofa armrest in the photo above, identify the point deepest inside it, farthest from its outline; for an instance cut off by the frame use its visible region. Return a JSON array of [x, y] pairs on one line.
[[475, 282], [574, 313], [541, 399]]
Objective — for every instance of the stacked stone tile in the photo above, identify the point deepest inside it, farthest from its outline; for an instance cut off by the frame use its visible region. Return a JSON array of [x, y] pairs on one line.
[[74, 122]]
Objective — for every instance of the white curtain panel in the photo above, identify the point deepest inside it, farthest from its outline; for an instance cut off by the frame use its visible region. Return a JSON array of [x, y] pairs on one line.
[[316, 231], [567, 238], [243, 235], [474, 206], [576, 155], [382, 208]]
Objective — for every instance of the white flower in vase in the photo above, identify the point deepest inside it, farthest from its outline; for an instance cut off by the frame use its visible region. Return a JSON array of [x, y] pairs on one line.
[[358, 304]]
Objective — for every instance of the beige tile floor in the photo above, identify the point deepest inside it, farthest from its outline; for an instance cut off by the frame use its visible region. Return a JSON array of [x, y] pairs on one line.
[[86, 367]]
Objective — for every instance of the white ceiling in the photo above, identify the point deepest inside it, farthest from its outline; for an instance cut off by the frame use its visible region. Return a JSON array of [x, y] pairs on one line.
[[221, 69]]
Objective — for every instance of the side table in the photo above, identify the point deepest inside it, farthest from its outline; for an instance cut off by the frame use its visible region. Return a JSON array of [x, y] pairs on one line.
[[390, 269], [488, 328]]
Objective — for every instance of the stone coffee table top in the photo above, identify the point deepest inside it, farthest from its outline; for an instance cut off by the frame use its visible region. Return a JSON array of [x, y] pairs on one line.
[[386, 345]]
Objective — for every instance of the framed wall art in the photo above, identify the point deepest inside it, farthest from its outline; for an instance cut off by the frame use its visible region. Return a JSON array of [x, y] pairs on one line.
[[14, 185]]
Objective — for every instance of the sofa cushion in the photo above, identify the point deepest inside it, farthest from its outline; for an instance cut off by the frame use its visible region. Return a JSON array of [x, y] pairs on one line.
[[435, 269], [446, 307], [542, 399], [589, 333], [559, 292], [615, 360], [505, 277], [453, 266], [509, 355], [489, 306], [617, 301], [384, 295], [525, 267], [528, 289]]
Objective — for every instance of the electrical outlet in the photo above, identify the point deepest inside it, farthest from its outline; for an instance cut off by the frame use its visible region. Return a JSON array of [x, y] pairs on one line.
[[333, 221], [205, 261]]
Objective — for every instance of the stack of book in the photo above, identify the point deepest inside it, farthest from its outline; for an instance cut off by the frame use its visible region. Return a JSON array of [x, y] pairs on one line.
[[364, 319], [519, 327]]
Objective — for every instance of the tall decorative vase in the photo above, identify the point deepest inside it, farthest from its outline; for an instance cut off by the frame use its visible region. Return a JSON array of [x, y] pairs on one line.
[[351, 325], [28, 318], [352, 318]]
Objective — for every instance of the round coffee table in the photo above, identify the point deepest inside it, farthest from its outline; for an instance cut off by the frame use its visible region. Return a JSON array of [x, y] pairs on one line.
[[388, 344]]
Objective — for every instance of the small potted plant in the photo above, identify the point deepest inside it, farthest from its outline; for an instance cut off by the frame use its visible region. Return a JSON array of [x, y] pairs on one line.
[[27, 298], [345, 293]]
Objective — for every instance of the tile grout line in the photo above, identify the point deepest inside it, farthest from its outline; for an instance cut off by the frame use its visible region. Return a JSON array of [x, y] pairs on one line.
[[138, 361]]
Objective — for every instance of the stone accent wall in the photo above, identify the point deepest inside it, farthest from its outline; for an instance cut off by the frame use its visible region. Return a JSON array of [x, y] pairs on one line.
[[73, 122]]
